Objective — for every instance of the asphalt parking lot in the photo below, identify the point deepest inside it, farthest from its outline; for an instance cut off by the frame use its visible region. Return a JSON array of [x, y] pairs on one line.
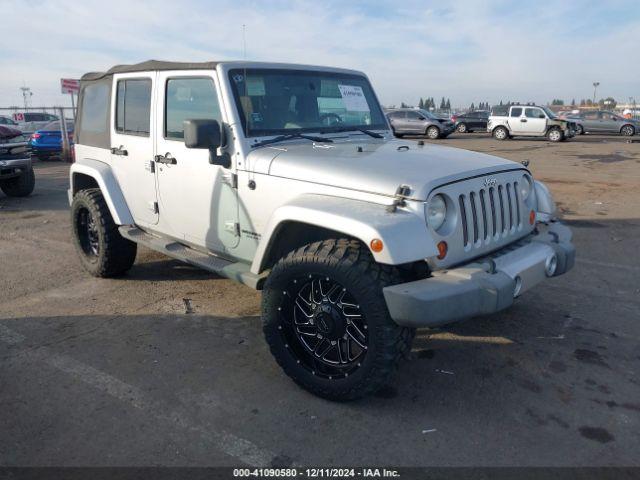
[[116, 372]]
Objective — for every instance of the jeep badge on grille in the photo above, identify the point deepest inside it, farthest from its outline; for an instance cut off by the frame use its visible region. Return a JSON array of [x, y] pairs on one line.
[[489, 182]]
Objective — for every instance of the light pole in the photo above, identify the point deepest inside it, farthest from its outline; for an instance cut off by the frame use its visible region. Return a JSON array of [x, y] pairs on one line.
[[26, 96], [595, 87]]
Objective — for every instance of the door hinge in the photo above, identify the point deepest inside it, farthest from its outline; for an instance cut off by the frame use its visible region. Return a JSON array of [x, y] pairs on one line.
[[230, 179], [232, 227], [153, 206]]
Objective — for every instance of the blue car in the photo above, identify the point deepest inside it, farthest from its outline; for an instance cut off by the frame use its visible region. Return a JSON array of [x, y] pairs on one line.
[[47, 142]]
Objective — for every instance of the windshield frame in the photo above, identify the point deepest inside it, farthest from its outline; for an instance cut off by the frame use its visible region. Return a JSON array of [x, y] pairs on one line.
[[548, 112], [304, 130]]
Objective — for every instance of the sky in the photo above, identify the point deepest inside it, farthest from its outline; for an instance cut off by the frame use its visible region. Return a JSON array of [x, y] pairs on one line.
[[468, 51]]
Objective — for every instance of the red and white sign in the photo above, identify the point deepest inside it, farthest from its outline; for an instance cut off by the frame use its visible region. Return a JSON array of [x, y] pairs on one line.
[[69, 85], [18, 117]]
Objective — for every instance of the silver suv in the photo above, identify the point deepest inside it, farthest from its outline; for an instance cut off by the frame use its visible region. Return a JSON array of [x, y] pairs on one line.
[[287, 178], [411, 121]]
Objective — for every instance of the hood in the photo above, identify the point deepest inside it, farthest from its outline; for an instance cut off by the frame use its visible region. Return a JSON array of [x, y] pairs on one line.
[[380, 167], [9, 132]]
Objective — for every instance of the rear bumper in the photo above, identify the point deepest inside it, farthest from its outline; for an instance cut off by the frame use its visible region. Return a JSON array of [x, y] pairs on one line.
[[487, 285]]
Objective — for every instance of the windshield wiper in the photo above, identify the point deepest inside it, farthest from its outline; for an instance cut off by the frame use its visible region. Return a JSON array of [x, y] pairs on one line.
[[290, 136], [362, 130]]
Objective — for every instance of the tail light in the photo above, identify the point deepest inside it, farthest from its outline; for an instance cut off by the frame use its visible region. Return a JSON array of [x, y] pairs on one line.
[[35, 136], [72, 154], [454, 118]]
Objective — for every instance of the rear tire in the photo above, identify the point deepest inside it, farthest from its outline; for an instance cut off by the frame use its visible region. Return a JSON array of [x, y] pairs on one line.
[[628, 131], [20, 186], [579, 130], [328, 295], [500, 133], [103, 251], [433, 132]]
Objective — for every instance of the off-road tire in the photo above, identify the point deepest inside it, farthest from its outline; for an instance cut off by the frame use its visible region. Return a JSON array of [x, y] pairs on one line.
[[628, 131], [352, 265], [115, 254], [500, 133], [555, 134], [462, 128], [433, 132], [20, 186]]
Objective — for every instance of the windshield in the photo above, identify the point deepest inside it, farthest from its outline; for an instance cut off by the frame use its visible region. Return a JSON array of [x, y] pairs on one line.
[[275, 102], [549, 113]]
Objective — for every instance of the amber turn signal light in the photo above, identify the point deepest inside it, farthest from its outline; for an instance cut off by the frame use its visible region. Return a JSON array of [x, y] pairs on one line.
[[532, 217], [376, 245], [442, 249]]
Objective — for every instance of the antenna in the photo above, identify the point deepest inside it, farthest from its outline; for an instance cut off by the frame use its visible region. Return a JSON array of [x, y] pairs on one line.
[[244, 41]]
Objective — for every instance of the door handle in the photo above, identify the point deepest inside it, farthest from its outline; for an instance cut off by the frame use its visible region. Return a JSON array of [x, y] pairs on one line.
[[119, 151], [523, 120], [167, 159]]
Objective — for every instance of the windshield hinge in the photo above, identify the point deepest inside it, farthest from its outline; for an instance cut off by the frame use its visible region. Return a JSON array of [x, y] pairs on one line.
[[399, 199]]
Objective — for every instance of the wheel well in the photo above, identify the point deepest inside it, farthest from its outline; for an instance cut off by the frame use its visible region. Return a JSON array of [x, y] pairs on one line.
[[504, 127], [82, 181], [628, 125], [292, 235]]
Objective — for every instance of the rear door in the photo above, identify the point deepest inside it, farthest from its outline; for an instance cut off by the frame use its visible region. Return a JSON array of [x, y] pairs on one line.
[[132, 146], [399, 121], [517, 121], [591, 121], [198, 200], [610, 123]]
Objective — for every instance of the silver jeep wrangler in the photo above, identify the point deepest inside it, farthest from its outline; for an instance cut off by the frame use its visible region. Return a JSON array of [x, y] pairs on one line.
[[287, 178]]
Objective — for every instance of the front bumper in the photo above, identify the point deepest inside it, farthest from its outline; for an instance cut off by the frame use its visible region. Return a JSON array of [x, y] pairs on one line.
[[12, 165], [487, 285]]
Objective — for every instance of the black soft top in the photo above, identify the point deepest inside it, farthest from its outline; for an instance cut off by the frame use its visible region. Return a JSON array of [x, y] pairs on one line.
[[150, 65]]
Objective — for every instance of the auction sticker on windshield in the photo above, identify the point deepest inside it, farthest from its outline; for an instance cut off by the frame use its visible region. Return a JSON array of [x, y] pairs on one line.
[[354, 99]]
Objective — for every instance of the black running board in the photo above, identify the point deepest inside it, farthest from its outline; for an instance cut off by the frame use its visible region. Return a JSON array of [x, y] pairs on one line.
[[238, 271]]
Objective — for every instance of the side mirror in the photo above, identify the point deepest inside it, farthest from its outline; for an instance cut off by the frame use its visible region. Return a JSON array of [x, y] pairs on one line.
[[206, 134]]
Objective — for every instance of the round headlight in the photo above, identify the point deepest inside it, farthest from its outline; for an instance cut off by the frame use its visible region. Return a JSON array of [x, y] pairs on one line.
[[525, 187], [436, 212]]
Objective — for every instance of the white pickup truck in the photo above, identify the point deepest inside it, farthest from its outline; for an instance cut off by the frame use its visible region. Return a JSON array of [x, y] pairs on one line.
[[288, 178], [528, 121]]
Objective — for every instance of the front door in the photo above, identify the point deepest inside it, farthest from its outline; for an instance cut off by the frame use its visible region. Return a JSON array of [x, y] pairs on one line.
[[536, 120], [198, 200], [132, 152]]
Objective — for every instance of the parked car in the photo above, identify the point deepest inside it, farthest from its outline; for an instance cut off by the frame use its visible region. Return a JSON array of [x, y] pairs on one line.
[[16, 172], [604, 122], [355, 238], [29, 122], [528, 121], [411, 121], [4, 120], [47, 142], [470, 121]]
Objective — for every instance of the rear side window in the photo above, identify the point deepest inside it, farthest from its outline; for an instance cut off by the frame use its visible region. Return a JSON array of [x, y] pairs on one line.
[[95, 108], [516, 111], [133, 107], [188, 99], [396, 115]]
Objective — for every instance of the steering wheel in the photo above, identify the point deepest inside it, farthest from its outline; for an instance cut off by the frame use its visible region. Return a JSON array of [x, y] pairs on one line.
[[331, 119]]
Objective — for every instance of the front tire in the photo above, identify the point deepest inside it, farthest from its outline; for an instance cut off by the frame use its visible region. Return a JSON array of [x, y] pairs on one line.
[[579, 130], [103, 251], [326, 321], [433, 133], [20, 186], [628, 131], [462, 128], [555, 135]]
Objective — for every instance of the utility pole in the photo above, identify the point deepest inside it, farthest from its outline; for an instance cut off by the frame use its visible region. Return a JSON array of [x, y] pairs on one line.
[[595, 87]]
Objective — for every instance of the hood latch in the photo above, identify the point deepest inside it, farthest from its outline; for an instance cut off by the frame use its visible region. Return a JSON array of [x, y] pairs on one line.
[[399, 199]]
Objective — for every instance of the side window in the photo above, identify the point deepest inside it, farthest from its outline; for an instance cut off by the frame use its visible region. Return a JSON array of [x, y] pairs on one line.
[[591, 116], [533, 113], [95, 108], [516, 112], [413, 116], [396, 115], [186, 99], [133, 107]]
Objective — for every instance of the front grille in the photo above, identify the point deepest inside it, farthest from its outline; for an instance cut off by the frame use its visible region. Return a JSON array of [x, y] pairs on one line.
[[489, 214]]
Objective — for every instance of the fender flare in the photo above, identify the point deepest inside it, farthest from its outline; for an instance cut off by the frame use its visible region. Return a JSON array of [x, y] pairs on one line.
[[106, 180], [404, 233]]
